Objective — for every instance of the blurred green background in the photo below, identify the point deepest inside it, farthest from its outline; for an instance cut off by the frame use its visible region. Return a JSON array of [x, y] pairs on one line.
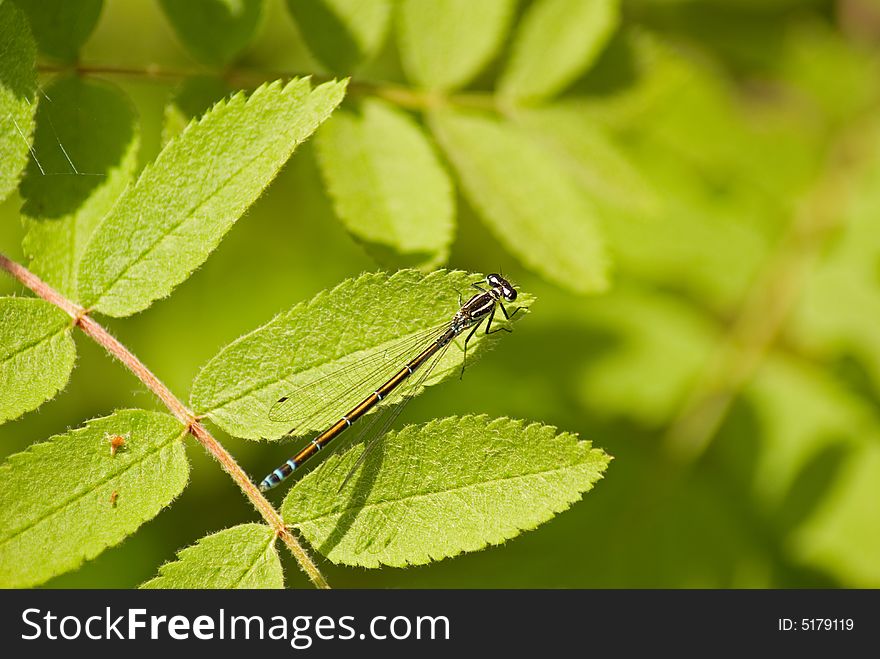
[[732, 368]]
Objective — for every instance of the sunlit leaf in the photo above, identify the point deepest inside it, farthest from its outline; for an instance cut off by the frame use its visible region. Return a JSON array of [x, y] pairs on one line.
[[240, 384], [18, 101], [387, 184], [168, 223], [445, 43], [528, 200], [86, 142], [556, 42], [437, 490], [243, 556], [67, 499], [36, 354]]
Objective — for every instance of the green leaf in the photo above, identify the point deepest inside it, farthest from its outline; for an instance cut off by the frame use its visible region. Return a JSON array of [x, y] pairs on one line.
[[66, 500], [193, 98], [18, 101], [841, 298], [804, 412], [445, 43], [694, 243], [239, 385], [725, 183], [843, 535], [61, 27], [214, 31], [341, 33], [387, 184], [556, 42], [440, 489], [642, 73], [165, 226], [697, 117], [36, 354], [821, 63], [645, 333], [607, 173], [87, 142], [241, 557], [531, 204]]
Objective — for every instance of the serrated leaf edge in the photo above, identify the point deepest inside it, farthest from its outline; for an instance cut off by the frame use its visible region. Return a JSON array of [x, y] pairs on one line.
[[306, 305], [513, 424], [180, 556], [92, 486], [219, 106]]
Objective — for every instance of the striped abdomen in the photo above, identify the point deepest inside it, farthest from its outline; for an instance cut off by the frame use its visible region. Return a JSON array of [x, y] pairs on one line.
[[355, 413]]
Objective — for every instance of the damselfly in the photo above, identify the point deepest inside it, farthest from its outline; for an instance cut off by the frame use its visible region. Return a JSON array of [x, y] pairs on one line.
[[427, 351]]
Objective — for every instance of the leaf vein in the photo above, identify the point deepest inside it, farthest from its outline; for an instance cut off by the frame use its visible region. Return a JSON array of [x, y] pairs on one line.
[[33, 344], [408, 499], [257, 559], [91, 488], [173, 229]]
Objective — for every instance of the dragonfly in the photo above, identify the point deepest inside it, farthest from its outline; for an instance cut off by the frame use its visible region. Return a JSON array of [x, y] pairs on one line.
[[421, 354]]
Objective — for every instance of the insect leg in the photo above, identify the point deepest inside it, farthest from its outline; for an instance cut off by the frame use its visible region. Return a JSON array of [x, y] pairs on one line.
[[464, 359], [506, 317]]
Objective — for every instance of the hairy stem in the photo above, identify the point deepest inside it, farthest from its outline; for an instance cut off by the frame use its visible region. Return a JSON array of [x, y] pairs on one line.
[[100, 335]]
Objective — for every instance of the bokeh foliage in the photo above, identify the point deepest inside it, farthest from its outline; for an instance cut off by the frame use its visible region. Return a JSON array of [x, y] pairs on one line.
[[713, 163]]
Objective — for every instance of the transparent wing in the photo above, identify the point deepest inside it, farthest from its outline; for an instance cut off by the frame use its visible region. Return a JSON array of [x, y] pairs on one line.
[[328, 397], [373, 433], [373, 439]]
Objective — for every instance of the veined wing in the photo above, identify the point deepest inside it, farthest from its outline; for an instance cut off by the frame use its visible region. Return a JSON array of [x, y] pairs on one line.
[[372, 434], [325, 399]]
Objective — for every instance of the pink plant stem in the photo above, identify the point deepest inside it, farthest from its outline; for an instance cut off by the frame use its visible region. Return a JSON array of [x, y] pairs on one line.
[[100, 335]]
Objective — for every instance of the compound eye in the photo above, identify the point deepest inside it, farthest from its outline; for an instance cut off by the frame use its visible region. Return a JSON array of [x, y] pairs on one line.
[[509, 293], [492, 280]]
